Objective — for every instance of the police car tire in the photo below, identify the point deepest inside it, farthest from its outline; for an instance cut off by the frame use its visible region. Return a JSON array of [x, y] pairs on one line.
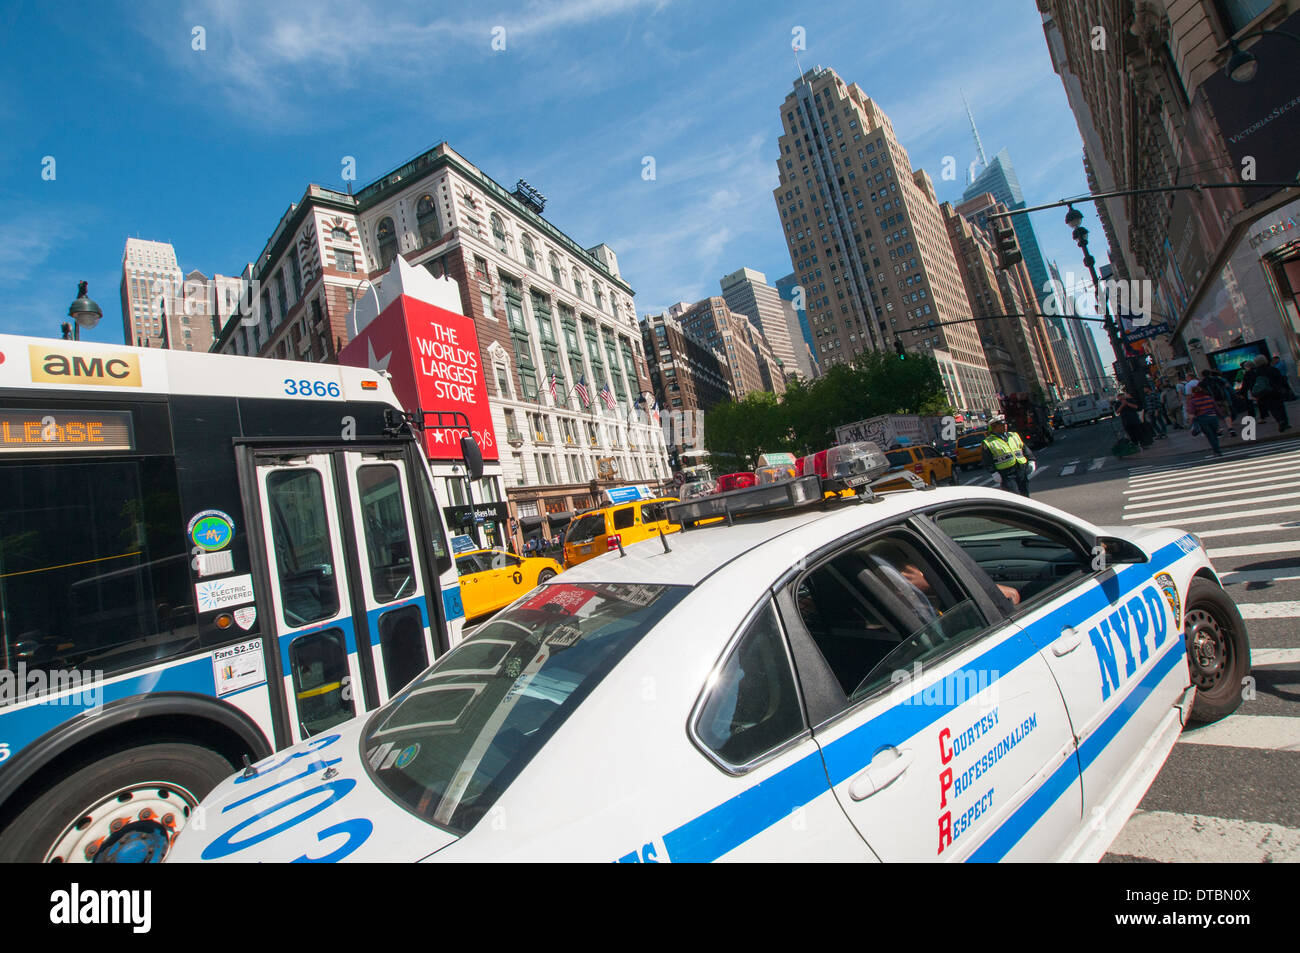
[[30, 835], [1225, 697], [546, 575]]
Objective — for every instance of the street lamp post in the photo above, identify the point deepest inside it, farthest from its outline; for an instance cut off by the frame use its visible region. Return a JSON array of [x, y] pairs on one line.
[[1074, 219], [84, 313]]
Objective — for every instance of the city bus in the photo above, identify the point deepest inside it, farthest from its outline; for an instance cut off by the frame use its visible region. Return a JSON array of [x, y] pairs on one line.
[[203, 559]]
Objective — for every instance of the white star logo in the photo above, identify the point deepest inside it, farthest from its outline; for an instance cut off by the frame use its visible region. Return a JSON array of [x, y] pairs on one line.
[[439, 436], [376, 364]]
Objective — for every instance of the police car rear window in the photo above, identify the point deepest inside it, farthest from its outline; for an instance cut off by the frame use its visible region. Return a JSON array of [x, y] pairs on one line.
[[452, 741], [587, 528]]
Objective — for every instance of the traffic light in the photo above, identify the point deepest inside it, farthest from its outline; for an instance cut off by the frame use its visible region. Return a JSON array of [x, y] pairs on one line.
[[1009, 253], [898, 349]]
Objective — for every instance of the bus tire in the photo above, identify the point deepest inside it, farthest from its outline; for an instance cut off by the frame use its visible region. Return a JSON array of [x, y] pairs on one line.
[[1218, 651], [155, 774]]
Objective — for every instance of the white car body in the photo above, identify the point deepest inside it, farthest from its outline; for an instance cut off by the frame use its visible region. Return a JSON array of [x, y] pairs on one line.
[[1083, 410], [1067, 713]]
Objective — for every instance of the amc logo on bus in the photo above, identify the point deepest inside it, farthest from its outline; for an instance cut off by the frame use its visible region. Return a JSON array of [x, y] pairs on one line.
[[59, 367]]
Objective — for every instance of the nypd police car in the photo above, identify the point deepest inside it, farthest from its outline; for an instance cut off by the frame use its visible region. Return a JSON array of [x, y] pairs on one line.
[[950, 674]]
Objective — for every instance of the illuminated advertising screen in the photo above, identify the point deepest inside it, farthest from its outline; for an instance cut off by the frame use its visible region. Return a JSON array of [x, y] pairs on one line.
[[28, 431]]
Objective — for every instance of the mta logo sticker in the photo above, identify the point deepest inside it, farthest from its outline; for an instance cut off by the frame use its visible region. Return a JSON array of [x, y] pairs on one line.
[[211, 530]]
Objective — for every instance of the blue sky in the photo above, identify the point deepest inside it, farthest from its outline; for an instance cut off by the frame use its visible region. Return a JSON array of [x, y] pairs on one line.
[[207, 148]]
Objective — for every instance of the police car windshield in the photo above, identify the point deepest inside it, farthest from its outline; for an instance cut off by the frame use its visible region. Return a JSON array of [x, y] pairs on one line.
[[450, 744], [586, 528]]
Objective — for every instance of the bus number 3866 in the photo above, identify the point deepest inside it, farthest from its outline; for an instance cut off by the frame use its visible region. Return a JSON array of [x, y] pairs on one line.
[[306, 388]]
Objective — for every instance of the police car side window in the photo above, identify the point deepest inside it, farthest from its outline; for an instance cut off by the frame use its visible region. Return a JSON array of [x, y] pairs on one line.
[[753, 707], [1024, 555], [882, 606]]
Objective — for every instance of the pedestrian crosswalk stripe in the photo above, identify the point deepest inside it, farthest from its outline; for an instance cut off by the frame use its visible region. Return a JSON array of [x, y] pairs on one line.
[[1184, 521], [1270, 610], [1039, 471], [1069, 468], [1218, 466], [1249, 530], [1229, 456], [1168, 837], [1208, 483], [1259, 469], [1097, 464], [1272, 658], [1274, 732], [1221, 495], [1256, 549], [1202, 507], [1239, 577]]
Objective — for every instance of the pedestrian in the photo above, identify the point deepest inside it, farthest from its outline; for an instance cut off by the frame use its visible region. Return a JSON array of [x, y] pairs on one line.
[[1171, 404], [1269, 390], [1205, 416], [1007, 456], [1280, 366], [1128, 411], [1217, 388], [1154, 410]]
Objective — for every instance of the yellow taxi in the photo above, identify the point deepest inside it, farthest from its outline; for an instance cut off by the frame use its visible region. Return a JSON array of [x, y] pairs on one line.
[[925, 461], [969, 448], [493, 578], [596, 532]]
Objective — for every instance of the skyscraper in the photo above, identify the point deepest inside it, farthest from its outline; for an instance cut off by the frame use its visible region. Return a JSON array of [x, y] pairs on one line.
[[151, 279], [999, 178], [865, 235], [747, 292], [800, 332]]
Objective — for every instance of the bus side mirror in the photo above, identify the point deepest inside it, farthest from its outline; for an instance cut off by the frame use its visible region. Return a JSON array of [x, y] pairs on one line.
[[472, 456]]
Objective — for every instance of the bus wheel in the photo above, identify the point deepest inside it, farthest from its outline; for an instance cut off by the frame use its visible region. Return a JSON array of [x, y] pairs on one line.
[[126, 808]]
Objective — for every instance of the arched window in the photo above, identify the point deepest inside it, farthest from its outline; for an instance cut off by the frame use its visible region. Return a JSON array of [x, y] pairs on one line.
[[530, 259], [596, 293], [386, 237], [555, 269], [340, 234], [499, 233], [426, 217]]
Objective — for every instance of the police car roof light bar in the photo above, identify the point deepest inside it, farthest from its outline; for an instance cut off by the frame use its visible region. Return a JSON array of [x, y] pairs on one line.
[[750, 501]]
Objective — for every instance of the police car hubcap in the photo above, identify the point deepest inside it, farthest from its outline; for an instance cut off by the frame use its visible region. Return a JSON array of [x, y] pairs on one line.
[[134, 825], [1207, 647]]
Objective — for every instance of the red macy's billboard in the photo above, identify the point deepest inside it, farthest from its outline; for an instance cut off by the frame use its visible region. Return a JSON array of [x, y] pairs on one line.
[[433, 357]]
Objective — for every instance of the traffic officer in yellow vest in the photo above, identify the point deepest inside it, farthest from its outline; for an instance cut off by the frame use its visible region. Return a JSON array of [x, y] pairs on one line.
[[1007, 456]]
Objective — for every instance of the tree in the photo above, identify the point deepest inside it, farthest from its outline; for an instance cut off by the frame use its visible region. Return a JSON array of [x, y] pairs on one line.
[[746, 429]]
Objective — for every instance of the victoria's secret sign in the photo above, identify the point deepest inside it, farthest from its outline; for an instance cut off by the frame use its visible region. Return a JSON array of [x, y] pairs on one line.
[[433, 357]]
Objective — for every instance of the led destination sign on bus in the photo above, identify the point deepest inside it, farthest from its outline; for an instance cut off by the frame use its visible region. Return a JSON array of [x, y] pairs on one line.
[[28, 430]]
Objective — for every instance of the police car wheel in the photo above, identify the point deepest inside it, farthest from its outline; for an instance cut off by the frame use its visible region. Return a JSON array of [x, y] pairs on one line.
[[546, 575], [1218, 651], [121, 807]]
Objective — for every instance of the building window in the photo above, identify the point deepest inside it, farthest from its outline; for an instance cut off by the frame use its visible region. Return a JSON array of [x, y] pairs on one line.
[[296, 271], [280, 294], [345, 261], [577, 287], [480, 268], [426, 218], [499, 234], [555, 269], [1238, 13], [530, 258], [598, 296], [339, 234], [386, 238]]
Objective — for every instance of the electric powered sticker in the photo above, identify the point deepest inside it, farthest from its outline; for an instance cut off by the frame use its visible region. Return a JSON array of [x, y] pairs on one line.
[[223, 593]]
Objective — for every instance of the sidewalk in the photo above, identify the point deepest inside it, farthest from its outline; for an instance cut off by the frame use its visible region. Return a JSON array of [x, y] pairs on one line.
[[1181, 442]]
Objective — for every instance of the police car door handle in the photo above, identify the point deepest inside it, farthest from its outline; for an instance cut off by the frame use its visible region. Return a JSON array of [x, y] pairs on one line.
[[1069, 641], [876, 779]]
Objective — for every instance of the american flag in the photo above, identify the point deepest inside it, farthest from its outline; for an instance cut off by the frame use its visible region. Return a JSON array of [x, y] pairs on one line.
[[607, 396], [580, 389], [553, 397], [654, 413]]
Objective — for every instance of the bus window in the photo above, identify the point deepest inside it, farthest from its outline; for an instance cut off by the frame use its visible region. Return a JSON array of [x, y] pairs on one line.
[[303, 554], [422, 494], [388, 544], [94, 573], [401, 637], [320, 680]]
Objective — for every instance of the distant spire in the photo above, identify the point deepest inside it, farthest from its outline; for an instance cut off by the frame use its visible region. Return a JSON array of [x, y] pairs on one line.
[[979, 146]]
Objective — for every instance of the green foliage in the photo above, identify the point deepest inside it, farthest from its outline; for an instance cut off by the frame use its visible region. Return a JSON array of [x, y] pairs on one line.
[[804, 418]]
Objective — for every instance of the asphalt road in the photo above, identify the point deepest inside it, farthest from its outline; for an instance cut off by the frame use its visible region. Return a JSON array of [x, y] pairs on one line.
[[1229, 791]]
